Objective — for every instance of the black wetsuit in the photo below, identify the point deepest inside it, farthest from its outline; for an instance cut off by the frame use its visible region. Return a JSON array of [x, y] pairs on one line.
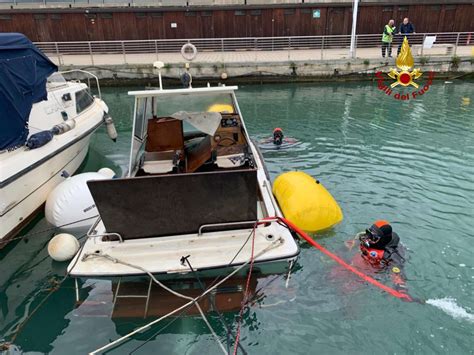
[[393, 252]]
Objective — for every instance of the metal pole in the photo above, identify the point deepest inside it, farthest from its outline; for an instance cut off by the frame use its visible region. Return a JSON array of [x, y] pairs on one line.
[[355, 46], [222, 50], [123, 52], [322, 48], [90, 52], [57, 53], [354, 25], [456, 46], [289, 48], [159, 78], [76, 285], [273, 32]]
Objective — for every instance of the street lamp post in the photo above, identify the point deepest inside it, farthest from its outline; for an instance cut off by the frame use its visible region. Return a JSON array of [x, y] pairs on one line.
[[354, 25]]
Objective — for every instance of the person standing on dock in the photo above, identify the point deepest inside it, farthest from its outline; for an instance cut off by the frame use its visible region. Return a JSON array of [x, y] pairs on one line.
[[387, 38], [406, 28]]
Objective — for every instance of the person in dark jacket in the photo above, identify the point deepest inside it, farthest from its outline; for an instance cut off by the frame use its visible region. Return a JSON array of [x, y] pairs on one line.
[[406, 28]]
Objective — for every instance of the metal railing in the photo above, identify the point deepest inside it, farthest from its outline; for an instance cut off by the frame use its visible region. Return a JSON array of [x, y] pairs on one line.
[[37, 3], [323, 47]]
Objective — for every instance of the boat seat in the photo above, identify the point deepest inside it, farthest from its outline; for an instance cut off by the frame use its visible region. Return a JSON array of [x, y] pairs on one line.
[[230, 157], [161, 162], [164, 134], [198, 154]]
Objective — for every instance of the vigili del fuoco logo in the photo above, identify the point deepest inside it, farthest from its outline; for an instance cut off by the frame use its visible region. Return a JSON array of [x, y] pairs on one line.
[[405, 76]]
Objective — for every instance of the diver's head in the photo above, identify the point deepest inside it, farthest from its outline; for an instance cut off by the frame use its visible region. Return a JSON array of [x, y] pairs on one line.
[[378, 235], [277, 136]]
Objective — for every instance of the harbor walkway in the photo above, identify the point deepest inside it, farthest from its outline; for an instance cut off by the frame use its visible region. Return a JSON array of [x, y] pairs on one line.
[[250, 57]]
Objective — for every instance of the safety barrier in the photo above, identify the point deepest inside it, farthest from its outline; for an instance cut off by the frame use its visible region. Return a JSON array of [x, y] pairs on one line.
[[323, 47]]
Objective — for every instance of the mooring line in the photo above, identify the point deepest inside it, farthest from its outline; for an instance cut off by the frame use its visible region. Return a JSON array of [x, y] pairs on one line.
[[273, 245]]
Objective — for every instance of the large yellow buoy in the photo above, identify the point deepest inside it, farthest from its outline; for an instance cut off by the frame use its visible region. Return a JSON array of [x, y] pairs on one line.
[[222, 108], [305, 202]]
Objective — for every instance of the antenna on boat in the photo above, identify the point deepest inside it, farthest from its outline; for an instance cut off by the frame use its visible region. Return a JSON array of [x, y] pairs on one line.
[[159, 65]]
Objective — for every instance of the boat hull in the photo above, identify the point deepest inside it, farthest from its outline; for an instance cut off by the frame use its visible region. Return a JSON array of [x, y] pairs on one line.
[[44, 178], [260, 268]]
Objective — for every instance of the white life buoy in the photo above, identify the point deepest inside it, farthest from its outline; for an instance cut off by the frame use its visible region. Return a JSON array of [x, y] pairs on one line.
[[189, 51]]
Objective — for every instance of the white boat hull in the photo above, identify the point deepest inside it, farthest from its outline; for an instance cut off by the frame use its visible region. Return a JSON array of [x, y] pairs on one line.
[[40, 181], [27, 176], [273, 250], [219, 245]]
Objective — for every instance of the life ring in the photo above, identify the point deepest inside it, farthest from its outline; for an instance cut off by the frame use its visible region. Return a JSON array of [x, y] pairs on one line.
[[189, 51]]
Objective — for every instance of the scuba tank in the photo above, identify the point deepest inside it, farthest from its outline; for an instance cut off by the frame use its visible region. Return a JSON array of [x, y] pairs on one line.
[[109, 125]]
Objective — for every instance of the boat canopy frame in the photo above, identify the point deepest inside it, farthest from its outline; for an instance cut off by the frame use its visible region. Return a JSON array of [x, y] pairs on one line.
[[138, 142]]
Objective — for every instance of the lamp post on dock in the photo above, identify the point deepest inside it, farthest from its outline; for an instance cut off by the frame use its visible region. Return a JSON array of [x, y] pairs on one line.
[[355, 9]]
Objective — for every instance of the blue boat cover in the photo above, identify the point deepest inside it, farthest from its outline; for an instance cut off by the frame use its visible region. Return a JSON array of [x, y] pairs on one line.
[[23, 73]]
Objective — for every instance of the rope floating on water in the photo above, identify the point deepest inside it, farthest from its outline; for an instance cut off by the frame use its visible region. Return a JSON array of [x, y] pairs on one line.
[[305, 236], [244, 300]]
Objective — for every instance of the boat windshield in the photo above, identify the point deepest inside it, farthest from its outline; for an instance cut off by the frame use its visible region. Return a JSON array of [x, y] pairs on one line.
[[215, 102], [56, 80]]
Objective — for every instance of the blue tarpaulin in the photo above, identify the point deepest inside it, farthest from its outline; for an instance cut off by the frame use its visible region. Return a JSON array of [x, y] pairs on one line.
[[23, 73]]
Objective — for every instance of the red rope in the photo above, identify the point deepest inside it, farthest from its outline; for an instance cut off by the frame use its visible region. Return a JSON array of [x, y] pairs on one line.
[[244, 301], [341, 262]]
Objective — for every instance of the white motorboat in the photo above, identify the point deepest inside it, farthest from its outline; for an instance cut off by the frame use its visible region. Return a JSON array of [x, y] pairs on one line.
[[46, 128], [196, 198]]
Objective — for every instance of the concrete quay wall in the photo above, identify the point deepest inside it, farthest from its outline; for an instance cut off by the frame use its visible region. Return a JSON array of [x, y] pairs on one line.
[[262, 72]]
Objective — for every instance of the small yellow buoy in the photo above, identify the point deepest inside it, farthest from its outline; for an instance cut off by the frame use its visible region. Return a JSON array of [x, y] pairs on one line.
[[305, 202], [222, 108], [466, 101]]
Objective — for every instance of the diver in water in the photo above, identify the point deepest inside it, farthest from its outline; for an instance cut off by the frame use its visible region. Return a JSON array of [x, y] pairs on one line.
[[278, 139], [380, 246], [278, 136]]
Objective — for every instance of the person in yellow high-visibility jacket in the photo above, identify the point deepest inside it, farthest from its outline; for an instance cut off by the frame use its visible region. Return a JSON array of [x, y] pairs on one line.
[[387, 38]]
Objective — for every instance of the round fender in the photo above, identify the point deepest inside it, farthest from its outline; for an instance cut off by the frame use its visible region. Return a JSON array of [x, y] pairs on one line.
[[189, 51]]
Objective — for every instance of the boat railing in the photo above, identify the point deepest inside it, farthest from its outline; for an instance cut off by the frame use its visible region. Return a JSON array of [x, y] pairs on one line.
[[92, 232], [88, 78], [211, 225]]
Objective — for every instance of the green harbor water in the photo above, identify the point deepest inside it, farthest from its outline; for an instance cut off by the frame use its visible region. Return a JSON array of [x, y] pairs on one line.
[[411, 163]]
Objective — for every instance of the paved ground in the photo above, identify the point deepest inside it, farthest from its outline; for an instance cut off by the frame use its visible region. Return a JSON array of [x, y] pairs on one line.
[[216, 58]]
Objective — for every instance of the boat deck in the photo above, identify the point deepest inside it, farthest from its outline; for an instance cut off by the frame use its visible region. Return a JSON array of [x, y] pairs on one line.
[[162, 255]]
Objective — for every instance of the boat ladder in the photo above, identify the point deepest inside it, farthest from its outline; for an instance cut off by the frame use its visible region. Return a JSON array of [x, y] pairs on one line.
[[117, 295]]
